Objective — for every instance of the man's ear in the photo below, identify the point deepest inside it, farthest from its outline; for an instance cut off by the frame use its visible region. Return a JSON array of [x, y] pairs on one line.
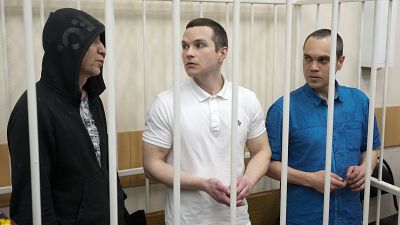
[[222, 53], [340, 62]]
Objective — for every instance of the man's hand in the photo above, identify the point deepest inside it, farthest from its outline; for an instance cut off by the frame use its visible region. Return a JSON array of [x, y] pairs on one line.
[[217, 191], [317, 181], [243, 189], [356, 178]]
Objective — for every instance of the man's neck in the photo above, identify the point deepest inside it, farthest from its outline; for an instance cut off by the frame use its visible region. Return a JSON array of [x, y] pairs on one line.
[[211, 84]]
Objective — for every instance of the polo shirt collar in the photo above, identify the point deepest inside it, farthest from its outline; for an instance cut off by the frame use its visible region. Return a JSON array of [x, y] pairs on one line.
[[317, 100], [202, 95]]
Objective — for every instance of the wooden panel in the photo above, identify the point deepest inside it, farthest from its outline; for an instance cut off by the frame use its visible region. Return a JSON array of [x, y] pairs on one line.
[[124, 155], [155, 218], [5, 179], [264, 207], [5, 200], [136, 157], [4, 166], [392, 126]]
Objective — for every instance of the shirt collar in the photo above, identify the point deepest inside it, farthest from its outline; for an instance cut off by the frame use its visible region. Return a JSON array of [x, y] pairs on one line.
[[316, 99], [202, 95]]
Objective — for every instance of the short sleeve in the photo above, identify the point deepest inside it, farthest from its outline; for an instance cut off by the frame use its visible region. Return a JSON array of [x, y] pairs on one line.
[[257, 126], [158, 130], [274, 129]]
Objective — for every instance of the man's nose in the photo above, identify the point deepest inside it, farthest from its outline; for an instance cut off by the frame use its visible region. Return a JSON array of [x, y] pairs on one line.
[[314, 66], [102, 50]]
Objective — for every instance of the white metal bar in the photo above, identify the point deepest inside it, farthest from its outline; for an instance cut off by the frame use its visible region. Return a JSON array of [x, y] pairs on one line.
[[309, 2], [286, 102], [145, 85], [384, 186], [5, 57], [299, 49], [78, 4], [130, 172], [371, 114], [361, 35], [338, 18], [5, 190], [274, 51], [201, 9], [109, 19], [228, 64], [234, 127], [251, 45], [42, 13], [32, 115], [317, 14], [384, 103], [331, 94], [177, 131]]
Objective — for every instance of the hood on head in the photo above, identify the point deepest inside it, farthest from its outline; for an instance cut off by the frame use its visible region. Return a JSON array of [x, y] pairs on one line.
[[67, 35]]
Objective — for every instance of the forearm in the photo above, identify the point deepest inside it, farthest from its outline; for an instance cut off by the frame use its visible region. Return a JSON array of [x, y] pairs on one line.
[[258, 166], [374, 157], [294, 176], [164, 173]]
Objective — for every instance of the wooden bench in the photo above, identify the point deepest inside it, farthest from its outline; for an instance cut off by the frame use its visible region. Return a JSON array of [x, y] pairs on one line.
[[263, 209]]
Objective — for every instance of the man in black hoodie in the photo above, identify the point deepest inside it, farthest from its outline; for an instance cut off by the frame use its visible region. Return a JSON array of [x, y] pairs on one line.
[[73, 146]]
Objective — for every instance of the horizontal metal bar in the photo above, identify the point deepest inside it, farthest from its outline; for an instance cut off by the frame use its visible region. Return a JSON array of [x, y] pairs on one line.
[[309, 2], [384, 186], [129, 172], [5, 190]]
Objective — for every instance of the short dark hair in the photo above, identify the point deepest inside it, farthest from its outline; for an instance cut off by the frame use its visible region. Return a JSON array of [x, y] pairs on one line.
[[323, 33], [219, 35]]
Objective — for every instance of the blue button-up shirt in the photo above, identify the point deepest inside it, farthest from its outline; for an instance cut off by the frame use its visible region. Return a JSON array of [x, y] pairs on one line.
[[307, 144]]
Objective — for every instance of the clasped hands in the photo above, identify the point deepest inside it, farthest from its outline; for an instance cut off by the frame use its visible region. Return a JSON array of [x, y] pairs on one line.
[[221, 193], [355, 180]]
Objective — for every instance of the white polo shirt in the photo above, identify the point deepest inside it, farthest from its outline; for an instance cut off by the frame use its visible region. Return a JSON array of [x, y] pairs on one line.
[[205, 145]]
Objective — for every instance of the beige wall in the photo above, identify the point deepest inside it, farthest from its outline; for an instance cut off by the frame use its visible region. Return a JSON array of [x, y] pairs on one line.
[[131, 95]]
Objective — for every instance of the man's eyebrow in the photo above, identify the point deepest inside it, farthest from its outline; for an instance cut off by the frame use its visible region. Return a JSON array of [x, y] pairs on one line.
[[195, 41]]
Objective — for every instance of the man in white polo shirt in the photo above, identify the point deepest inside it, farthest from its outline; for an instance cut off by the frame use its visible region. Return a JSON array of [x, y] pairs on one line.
[[205, 134]]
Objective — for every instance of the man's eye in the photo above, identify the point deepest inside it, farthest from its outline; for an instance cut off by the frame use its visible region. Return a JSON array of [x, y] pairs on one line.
[[185, 47], [200, 45], [323, 61], [307, 59]]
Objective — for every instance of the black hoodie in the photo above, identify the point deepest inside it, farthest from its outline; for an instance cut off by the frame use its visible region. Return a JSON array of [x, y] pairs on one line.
[[74, 187]]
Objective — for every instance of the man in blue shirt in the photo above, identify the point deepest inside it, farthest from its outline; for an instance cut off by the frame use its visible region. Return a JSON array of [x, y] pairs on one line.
[[307, 141]]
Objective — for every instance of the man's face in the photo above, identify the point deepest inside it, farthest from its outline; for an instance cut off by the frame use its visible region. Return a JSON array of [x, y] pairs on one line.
[[316, 61], [198, 52], [93, 59]]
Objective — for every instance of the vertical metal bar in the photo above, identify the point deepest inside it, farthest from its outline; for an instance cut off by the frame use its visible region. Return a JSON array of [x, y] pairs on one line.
[[331, 94], [145, 85], [338, 18], [109, 19], [274, 47], [228, 64], [234, 127], [32, 115], [317, 14], [201, 9], [5, 57], [177, 132], [286, 102], [377, 11], [361, 32], [78, 4], [42, 13], [251, 45], [384, 104], [298, 62]]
